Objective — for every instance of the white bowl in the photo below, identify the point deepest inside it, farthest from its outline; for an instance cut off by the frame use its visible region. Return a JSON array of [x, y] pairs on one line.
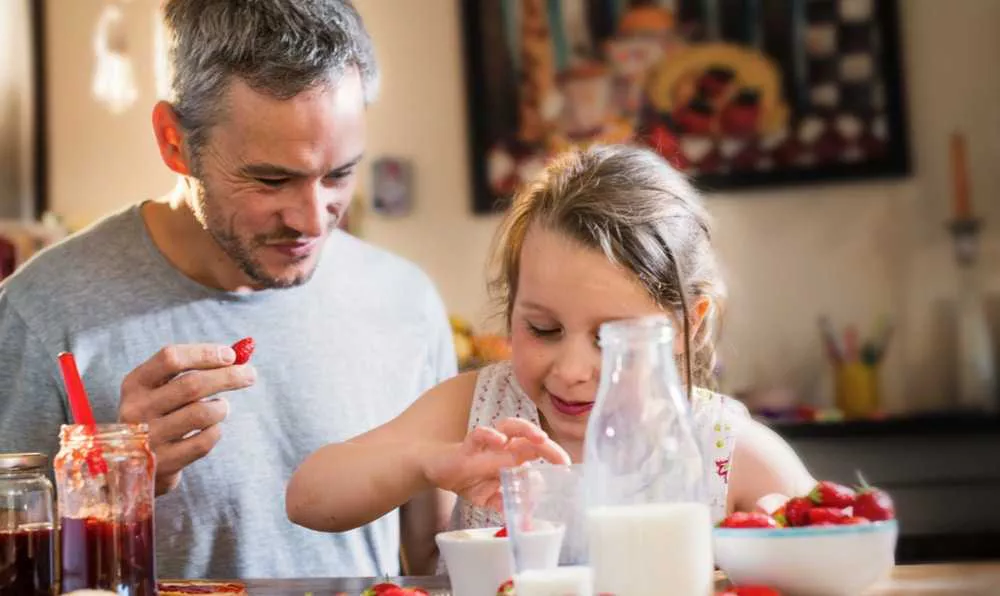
[[809, 561]]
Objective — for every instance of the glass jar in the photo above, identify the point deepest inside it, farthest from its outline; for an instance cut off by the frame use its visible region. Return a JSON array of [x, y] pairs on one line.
[[105, 481], [647, 505], [27, 545]]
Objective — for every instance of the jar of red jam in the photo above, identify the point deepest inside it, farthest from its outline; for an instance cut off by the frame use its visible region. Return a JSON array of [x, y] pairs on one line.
[[105, 475], [27, 544]]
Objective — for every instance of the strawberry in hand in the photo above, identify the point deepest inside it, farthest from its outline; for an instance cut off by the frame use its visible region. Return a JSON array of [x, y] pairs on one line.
[[244, 349], [831, 494]]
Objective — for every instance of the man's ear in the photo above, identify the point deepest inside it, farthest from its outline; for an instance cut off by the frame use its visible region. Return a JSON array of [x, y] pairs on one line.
[[170, 138]]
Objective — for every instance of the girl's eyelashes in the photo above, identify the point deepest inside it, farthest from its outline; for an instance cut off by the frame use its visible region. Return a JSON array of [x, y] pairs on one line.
[[543, 331]]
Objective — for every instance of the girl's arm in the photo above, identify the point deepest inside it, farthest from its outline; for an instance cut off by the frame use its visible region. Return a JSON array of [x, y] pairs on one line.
[[765, 470], [420, 519], [343, 486]]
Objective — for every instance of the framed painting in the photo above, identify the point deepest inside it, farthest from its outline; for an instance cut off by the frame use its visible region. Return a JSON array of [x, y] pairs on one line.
[[23, 178], [736, 93]]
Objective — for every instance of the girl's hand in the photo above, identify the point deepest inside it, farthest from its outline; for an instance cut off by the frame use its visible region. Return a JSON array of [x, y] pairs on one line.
[[471, 469]]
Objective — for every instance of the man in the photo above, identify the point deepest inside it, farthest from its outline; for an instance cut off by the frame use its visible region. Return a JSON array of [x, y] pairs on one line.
[[266, 130]]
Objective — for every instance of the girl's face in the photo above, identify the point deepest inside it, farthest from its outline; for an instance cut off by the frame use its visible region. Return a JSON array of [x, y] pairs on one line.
[[564, 293]]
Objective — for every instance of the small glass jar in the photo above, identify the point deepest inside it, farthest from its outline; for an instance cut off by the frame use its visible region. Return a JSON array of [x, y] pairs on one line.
[[27, 544], [105, 480]]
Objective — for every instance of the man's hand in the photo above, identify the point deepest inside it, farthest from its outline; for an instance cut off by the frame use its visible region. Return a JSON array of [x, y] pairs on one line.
[[168, 392]]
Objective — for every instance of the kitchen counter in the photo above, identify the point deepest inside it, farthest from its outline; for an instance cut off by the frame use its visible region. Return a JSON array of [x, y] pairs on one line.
[[923, 425], [969, 579]]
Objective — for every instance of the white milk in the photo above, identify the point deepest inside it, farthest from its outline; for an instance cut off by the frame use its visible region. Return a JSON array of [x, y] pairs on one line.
[[558, 581], [651, 550], [539, 548]]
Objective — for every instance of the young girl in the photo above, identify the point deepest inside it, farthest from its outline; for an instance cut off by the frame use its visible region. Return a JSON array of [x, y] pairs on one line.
[[606, 233]]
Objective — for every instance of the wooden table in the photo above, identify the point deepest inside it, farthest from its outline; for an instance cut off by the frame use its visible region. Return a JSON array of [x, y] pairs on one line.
[[972, 579], [966, 579]]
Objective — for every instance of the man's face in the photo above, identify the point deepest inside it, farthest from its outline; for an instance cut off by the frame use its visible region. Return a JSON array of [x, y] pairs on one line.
[[275, 176]]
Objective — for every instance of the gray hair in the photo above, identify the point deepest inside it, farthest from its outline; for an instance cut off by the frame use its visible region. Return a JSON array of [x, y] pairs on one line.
[[277, 47]]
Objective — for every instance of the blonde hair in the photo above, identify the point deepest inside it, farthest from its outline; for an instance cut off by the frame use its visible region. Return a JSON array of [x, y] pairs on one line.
[[643, 215]]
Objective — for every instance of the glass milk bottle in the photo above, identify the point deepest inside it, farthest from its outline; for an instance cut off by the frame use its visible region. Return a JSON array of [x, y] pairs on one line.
[[648, 519]]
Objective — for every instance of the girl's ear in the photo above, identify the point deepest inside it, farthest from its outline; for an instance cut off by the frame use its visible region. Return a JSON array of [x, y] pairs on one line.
[[700, 311]]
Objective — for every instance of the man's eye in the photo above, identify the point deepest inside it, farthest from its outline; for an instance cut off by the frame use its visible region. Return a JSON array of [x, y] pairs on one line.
[[272, 182], [339, 177]]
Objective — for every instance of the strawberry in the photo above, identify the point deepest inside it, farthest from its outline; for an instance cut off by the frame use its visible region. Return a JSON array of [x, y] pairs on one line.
[[797, 511], [391, 589], [750, 591], [826, 516], [855, 521], [244, 349], [96, 463], [742, 519], [831, 494], [779, 517], [874, 505], [381, 589], [501, 533], [506, 588]]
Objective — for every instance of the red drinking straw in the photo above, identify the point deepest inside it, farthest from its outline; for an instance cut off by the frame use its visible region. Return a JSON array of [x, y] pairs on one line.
[[80, 406], [78, 401]]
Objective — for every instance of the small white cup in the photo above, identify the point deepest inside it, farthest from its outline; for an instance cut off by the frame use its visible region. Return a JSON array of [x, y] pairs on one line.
[[477, 561]]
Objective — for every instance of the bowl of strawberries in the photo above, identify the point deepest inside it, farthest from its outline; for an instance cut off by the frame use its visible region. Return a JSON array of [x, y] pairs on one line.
[[834, 541]]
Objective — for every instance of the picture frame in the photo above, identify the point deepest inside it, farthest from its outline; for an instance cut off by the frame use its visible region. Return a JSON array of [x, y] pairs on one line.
[[392, 186], [23, 132], [735, 93]]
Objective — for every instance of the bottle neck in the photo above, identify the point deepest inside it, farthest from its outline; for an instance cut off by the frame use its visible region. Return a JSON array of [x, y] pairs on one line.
[[109, 436], [22, 474], [633, 353], [638, 361]]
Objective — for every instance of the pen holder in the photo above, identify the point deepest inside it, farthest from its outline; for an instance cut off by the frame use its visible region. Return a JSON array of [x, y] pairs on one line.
[[856, 387]]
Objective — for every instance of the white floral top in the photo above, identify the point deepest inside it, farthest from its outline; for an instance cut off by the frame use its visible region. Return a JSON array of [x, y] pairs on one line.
[[498, 396]]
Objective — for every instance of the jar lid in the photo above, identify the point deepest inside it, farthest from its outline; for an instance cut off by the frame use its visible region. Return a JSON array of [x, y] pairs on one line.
[[12, 462]]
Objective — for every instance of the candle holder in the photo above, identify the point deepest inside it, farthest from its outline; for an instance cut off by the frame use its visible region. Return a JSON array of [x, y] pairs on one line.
[[965, 233], [976, 366]]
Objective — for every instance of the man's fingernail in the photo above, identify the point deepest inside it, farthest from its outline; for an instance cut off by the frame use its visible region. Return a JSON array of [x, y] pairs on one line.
[[227, 355], [222, 405], [250, 376]]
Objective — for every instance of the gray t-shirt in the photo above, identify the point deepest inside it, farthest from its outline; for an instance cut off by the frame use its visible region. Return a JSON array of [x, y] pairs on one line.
[[335, 357]]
